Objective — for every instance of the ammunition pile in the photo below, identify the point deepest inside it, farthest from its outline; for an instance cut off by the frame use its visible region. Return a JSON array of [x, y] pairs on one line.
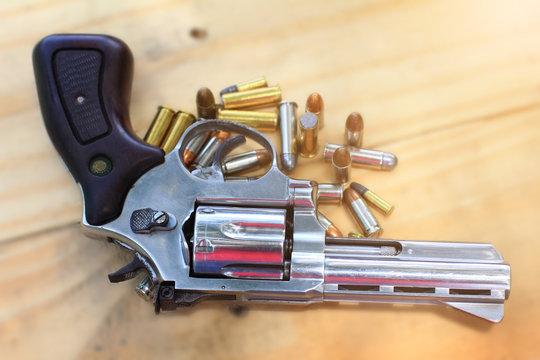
[[298, 137]]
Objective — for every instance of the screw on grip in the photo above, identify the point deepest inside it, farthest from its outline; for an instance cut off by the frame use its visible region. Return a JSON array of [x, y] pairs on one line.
[[84, 88]]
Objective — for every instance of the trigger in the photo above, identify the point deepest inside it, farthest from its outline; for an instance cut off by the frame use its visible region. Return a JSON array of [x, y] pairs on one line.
[[130, 270]]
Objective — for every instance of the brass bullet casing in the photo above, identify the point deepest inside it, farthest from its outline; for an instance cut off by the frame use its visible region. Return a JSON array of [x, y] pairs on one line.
[[268, 96], [259, 120], [193, 148], [251, 160], [379, 203], [354, 130], [180, 122], [160, 124], [246, 85], [359, 210], [331, 229], [315, 105], [369, 159], [287, 125], [309, 134], [341, 161], [206, 105], [353, 234], [206, 156], [330, 193]]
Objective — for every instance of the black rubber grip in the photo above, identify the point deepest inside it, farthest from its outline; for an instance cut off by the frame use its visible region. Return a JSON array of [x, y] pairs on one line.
[[84, 88]]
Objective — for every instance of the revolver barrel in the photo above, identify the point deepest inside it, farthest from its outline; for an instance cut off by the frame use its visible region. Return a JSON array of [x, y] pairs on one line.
[[467, 276]]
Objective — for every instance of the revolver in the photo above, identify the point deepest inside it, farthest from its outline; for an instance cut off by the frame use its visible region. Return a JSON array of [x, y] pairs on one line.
[[199, 237]]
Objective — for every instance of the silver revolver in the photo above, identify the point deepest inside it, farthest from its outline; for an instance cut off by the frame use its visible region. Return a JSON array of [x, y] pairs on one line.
[[199, 237]]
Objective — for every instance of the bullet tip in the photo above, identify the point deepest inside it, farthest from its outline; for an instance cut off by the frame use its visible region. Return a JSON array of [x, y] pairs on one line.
[[389, 161], [350, 196], [354, 122], [205, 97], [314, 103], [359, 188], [288, 162]]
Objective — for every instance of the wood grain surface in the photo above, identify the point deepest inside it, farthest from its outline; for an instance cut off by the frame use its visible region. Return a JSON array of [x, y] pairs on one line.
[[451, 87]]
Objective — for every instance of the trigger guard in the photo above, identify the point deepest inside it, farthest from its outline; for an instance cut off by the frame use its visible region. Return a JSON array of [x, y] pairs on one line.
[[204, 126]]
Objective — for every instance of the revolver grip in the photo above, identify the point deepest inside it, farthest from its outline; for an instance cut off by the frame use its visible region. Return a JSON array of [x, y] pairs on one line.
[[84, 87]]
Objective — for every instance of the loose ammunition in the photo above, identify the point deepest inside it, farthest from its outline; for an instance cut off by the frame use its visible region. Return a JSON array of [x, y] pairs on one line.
[[354, 130], [268, 96], [287, 124], [206, 105], [331, 229], [379, 203], [353, 234], [159, 126], [365, 219], [263, 121], [193, 148], [309, 133], [180, 122], [315, 105], [251, 160], [341, 161], [206, 156], [245, 85], [330, 193], [370, 159]]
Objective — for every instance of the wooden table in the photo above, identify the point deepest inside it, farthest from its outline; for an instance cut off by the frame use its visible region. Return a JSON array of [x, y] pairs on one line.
[[451, 87]]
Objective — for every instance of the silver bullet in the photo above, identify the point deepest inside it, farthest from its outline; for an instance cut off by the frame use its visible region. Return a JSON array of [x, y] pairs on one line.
[[370, 159], [287, 124]]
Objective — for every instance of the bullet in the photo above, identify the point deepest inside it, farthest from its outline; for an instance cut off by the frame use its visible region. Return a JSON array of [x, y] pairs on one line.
[[246, 85], [287, 124], [194, 147], [341, 161], [206, 156], [250, 160], [268, 96], [379, 203], [206, 105], [359, 210], [309, 133], [262, 121], [370, 159], [180, 122], [331, 229], [353, 234], [354, 130], [159, 126], [330, 193], [315, 105]]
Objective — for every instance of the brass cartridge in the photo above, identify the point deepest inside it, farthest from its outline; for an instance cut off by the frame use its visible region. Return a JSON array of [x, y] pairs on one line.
[[341, 161], [180, 122], [379, 203], [309, 133], [315, 105], [268, 96], [206, 105], [354, 130], [246, 85], [159, 126], [263, 121]]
